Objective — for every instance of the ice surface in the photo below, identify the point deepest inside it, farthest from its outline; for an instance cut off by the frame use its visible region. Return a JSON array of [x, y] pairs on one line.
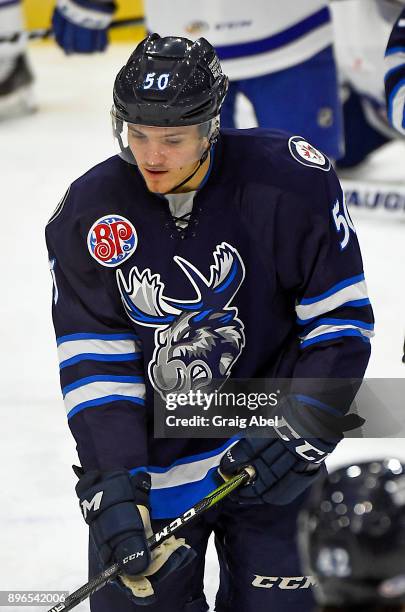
[[43, 537]]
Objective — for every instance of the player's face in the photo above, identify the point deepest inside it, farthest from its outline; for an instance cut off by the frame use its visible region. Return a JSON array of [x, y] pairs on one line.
[[166, 156]]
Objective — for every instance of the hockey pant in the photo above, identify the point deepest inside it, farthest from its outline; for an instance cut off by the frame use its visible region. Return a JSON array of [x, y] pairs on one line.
[[259, 568], [303, 100]]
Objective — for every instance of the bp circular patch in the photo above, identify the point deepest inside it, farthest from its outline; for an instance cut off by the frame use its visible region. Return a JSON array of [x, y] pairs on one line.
[[307, 155], [111, 240]]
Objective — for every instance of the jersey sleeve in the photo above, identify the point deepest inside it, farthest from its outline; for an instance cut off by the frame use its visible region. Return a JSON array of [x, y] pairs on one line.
[[320, 266], [100, 357], [395, 75]]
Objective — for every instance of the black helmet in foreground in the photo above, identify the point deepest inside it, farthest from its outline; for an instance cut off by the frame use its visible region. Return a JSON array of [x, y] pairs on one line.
[[170, 81], [352, 535]]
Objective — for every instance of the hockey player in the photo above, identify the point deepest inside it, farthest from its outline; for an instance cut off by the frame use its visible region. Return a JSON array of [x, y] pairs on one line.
[[395, 75], [362, 30], [351, 538], [275, 53], [395, 80], [16, 77], [198, 254]]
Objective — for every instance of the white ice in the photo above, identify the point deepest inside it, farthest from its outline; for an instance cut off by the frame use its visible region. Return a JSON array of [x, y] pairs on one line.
[[43, 537]]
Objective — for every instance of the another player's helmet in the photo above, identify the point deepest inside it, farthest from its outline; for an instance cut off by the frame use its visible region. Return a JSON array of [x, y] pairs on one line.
[[170, 81], [352, 535]]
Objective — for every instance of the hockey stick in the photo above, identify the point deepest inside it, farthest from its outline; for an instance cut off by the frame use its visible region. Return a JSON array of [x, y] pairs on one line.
[[47, 32], [99, 581]]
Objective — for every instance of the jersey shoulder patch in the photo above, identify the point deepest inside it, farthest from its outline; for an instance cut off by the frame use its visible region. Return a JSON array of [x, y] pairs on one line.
[[307, 155]]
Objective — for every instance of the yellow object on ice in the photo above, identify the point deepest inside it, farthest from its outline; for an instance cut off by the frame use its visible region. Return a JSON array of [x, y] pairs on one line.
[[38, 14]]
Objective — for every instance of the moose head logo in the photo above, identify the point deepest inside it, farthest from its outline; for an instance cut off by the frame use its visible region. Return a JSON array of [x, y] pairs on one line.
[[196, 340]]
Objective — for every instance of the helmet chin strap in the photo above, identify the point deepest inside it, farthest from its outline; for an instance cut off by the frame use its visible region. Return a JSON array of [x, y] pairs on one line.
[[212, 140], [188, 178]]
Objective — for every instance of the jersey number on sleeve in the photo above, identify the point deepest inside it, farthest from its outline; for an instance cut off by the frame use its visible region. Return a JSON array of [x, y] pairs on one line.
[[343, 222]]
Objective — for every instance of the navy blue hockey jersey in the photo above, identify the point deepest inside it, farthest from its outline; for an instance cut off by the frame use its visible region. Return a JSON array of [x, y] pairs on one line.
[[267, 280]]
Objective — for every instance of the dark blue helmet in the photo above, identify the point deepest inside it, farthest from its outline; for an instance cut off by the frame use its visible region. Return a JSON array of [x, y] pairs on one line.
[[170, 81], [352, 535]]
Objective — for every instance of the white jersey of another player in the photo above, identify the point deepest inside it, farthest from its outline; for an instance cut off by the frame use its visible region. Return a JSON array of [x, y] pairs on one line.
[[362, 30], [395, 75], [251, 38]]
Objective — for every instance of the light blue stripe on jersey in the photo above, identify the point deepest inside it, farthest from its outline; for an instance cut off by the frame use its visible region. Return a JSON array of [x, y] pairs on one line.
[[397, 68], [181, 485], [100, 377], [96, 357], [92, 336], [104, 400], [336, 321], [173, 502], [394, 50], [333, 335], [324, 328], [345, 283], [306, 399], [98, 347], [351, 291], [276, 41]]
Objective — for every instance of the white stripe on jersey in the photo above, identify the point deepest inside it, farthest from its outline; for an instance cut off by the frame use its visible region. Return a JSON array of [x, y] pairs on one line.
[[102, 389], [331, 329], [398, 110], [357, 291], [228, 23], [294, 53], [187, 472], [394, 60], [74, 348]]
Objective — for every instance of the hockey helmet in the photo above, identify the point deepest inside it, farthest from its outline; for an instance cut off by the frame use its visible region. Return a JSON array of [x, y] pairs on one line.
[[170, 81], [351, 535]]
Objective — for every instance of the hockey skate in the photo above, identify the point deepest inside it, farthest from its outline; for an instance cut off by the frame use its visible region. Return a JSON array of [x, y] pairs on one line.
[[16, 95]]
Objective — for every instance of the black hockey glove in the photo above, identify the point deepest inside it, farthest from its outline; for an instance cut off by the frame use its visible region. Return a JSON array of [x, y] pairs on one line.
[[290, 462], [116, 508]]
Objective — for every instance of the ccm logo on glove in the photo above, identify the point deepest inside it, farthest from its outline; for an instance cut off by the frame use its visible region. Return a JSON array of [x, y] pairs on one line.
[[287, 433], [133, 556], [229, 456]]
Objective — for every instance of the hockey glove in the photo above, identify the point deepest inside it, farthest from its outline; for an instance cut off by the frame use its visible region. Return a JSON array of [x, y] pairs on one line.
[[171, 555], [116, 508], [289, 463], [80, 26]]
